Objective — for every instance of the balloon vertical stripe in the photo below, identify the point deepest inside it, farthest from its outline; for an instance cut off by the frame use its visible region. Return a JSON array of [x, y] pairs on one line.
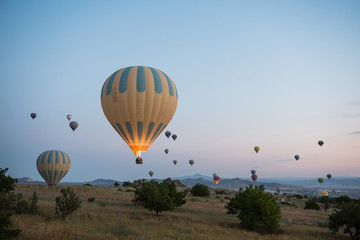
[[140, 80], [171, 90], [157, 80], [140, 130], [157, 131], [57, 157], [123, 85], [150, 128], [128, 127], [122, 132], [110, 83], [50, 156]]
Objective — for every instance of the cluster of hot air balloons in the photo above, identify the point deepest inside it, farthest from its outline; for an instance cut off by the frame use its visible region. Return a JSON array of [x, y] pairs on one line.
[[73, 124]]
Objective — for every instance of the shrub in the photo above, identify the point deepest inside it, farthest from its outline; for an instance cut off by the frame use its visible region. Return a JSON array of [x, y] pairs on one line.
[[158, 197], [29, 206], [221, 192], [255, 209], [66, 203], [87, 185], [91, 199], [127, 184], [200, 190], [346, 217], [116, 184], [311, 204], [299, 196]]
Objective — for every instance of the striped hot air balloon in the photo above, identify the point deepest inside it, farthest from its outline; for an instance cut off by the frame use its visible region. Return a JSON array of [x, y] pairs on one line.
[[139, 102], [53, 165]]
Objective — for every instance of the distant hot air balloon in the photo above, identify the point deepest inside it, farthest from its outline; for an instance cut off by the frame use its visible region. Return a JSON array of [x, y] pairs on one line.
[[329, 176], [320, 180], [191, 162], [174, 136], [166, 151], [167, 134], [257, 149], [216, 179], [53, 165], [151, 173], [73, 125], [297, 157], [68, 117], [278, 190], [139, 102], [253, 171], [324, 194], [175, 162], [33, 115], [321, 143], [215, 174], [254, 177]]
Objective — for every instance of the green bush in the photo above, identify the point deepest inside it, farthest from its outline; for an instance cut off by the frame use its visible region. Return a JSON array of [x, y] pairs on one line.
[[116, 184], [66, 203], [221, 192], [255, 209], [200, 190], [311, 204], [91, 199], [127, 184], [158, 197]]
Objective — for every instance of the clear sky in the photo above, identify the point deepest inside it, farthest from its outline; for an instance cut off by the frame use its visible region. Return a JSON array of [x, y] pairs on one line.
[[278, 74]]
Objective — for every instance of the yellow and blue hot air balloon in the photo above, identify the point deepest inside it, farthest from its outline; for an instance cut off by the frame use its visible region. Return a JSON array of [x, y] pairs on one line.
[[53, 165], [139, 102]]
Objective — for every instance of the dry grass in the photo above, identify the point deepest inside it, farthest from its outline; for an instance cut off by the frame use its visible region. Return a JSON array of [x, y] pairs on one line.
[[112, 216]]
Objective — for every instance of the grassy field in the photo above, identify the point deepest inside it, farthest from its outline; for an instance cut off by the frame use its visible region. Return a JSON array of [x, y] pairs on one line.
[[113, 216]]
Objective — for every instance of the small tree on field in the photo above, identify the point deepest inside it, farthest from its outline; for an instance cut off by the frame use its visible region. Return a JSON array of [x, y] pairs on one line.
[[158, 197], [116, 184], [66, 203], [255, 209], [311, 204], [200, 190], [7, 186], [346, 217]]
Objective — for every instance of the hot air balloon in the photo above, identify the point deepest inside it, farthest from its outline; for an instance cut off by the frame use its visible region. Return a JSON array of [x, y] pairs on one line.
[[175, 162], [73, 125], [68, 117], [151, 173], [324, 194], [216, 179], [297, 157], [329, 176], [53, 165], [191, 162], [321, 143], [320, 180], [33, 115], [166, 151], [139, 102], [254, 177], [167, 134], [174, 136], [257, 149], [253, 171], [278, 190]]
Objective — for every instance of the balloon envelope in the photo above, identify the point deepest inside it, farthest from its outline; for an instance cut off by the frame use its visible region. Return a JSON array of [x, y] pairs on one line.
[[33, 115], [166, 151], [68, 117], [167, 134], [254, 177], [216, 179], [191, 162], [320, 180], [73, 125], [257, 149], [53, 165], [253, 171], [139, 102], [175, 162], [321, 143], [174, 136], [151, 173], [328, 176], [297, 157]]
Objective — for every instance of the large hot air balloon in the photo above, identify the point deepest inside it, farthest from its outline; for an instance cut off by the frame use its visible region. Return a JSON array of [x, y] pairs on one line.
[[139, 102], [191, 162], [321, 143], [151, 173], [33, 115], [175, 162], [254, 177], [68, 117], [297, 157], [329, 176], [253, 171], [320, 180], [257, 149], [174, 136], [167, 134], [73, 125], [53, 165], [166, 151], [216, 179]]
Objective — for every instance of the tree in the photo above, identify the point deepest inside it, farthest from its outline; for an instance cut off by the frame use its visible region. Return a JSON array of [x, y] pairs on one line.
[[158, 197], [347, 216], [127, 184], [7, 186], [66, 203], [116, 184], [200, 190], [311, 204], [255, 209]]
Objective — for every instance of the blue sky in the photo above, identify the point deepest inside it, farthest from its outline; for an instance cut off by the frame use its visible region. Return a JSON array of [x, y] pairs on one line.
[[278, 74]]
